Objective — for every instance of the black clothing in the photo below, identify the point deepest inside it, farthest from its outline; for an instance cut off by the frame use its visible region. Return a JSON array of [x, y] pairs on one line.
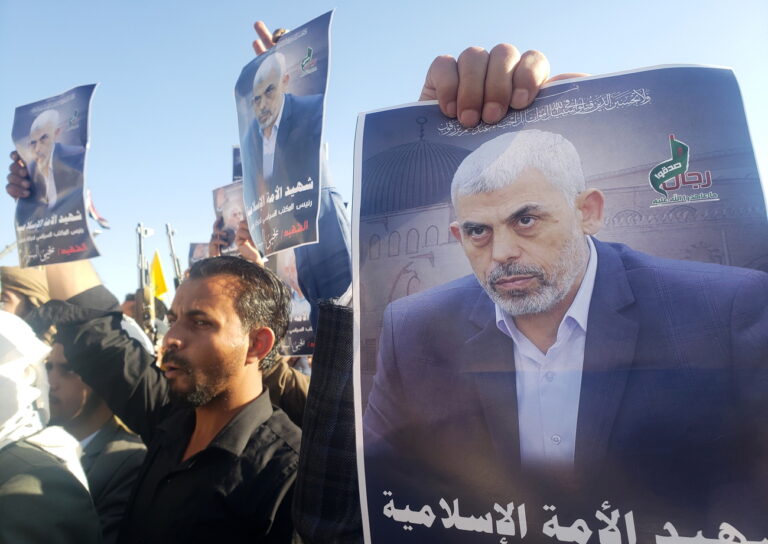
[[237, 489], [326, 504]]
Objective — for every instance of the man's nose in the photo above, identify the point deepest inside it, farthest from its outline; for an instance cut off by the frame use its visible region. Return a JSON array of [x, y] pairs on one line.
[[171, 340], [506, 246]]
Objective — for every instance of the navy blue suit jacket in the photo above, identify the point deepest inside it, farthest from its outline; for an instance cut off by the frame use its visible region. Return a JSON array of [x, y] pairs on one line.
[[672, 413]]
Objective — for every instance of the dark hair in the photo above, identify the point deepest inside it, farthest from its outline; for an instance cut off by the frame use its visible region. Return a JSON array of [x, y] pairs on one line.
[[260, 297]]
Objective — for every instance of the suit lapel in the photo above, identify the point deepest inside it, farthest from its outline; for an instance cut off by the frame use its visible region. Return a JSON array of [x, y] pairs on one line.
[[608, 355], [488, 357], [99, 442]]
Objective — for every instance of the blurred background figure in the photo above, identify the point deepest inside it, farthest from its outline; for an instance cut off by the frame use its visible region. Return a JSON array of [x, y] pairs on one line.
[[41, 498], [23, 289], [112, 455]]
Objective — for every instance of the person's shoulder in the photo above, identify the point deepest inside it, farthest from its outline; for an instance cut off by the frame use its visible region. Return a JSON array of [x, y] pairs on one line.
[[306, 104], [685, 274], [65, 150], [270, 460], [637, 260], [126, 442], [30, 464], [279, 431]]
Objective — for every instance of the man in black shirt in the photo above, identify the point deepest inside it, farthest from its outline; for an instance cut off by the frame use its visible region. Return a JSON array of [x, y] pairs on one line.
[[221, 461]]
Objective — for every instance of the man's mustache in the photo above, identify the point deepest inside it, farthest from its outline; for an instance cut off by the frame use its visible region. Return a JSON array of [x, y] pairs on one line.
[[177, 360], [514, 269]]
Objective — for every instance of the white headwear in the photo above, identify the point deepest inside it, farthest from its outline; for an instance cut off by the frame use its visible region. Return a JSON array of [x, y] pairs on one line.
[[24, 408], [23, 381]]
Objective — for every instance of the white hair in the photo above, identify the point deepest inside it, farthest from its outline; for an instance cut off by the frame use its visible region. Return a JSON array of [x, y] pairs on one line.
[[49, 118], [500, 161], [273, 63]]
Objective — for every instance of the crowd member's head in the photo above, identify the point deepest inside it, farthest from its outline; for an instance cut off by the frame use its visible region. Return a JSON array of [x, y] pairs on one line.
[[128, 307], [43, 135], [522, 216], [22, 289], [23, 384], [73, 404], [269, 85], [226, 318]]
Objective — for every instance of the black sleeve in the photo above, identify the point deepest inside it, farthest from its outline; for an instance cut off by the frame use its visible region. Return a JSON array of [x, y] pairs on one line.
[[326, 504], [117, 366]]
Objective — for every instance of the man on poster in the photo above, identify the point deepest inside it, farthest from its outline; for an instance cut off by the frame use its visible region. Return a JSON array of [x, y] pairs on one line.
[[570, 370], [56, 169], [285, 136]]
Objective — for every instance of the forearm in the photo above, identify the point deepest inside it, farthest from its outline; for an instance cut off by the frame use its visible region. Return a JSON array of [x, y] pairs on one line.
[[69, 279]]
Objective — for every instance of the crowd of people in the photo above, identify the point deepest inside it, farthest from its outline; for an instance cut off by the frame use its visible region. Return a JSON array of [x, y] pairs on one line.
[[212, 435]]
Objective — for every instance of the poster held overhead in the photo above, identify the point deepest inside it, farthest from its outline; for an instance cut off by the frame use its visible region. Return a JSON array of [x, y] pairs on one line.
[[197, 252], [563, 317], [229, 209], [51, 136], [280, 97]]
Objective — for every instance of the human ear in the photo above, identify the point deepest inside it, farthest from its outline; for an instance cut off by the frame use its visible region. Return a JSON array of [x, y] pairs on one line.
[[456, 231], [591, 204], [261, 340]]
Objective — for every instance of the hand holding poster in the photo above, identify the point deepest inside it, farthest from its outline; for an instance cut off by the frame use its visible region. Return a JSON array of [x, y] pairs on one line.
[[51, 136], [526, 377], [280, 97]]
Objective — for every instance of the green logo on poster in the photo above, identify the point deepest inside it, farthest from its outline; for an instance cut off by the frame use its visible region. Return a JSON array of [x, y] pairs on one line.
[[677, 165], [306, 60]]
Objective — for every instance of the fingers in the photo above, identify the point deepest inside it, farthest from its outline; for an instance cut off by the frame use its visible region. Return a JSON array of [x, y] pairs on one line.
[[498, 82], [481, 85], [243, 234], [530, 74], [246, 246], [265, 38], [18, 178], [442, 84], [472, 66]]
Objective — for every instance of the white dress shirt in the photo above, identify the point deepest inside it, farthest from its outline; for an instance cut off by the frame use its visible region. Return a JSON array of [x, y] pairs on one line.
[[268, 144], [549, 384]]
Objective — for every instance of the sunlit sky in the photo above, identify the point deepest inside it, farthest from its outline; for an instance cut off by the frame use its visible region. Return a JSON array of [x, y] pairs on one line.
[[163, 118]]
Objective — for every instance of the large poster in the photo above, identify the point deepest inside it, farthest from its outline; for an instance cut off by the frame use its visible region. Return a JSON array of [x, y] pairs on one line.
[[280, 97], [563, 318], [51, 136]]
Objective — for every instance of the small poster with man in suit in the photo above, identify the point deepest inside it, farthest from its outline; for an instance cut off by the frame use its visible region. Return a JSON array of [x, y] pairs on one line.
[[228, 206], [51, 137], [563, 318], [280, 96]]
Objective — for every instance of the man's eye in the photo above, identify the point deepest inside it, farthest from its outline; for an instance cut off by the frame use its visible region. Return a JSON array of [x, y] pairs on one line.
[[476, 232], [201, 323], [527, 221]]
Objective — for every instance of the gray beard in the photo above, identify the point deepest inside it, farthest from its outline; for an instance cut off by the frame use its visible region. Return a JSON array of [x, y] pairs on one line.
[[552, 288]]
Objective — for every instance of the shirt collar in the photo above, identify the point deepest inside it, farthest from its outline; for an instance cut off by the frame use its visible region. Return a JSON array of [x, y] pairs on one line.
[[233, 437], [278, 119], [579, 309]]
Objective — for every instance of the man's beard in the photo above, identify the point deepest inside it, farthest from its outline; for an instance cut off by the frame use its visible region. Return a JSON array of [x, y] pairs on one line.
[[201, 393], [552, 287]]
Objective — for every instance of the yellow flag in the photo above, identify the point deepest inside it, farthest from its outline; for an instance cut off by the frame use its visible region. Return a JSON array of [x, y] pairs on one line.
[[156, 276]]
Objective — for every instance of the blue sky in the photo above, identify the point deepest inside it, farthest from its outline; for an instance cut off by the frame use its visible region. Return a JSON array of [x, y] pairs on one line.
[[163, 118]]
